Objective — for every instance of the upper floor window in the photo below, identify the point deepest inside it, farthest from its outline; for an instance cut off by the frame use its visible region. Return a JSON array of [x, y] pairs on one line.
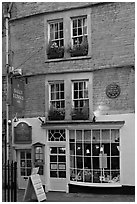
[[79, 29], [79, 37], [55, 47], [80, 100], [56, 33], [57, 101]]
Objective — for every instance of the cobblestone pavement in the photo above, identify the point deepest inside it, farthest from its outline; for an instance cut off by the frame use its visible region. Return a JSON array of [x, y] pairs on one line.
[[82, 197]]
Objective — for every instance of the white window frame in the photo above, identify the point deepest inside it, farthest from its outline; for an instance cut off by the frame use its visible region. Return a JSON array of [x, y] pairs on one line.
[[54, 22], [56, 100], [77, 81], [76, 18]]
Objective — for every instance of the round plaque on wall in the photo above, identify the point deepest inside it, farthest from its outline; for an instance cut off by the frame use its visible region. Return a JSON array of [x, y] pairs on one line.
[[113, 90]]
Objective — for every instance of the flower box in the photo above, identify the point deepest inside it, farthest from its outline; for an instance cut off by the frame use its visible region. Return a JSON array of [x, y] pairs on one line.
[[56, 114], [79, 49], [80, 114], [54, 52]]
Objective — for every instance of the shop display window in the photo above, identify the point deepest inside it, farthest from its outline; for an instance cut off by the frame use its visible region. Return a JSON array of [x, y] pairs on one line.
[[94, 155]]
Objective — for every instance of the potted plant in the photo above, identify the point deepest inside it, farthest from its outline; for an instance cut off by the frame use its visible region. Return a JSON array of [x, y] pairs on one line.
[[79, 49], [54, 51], [56, 113], [80, 113]]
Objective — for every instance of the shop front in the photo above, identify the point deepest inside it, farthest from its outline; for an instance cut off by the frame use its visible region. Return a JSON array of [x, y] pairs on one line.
[[99, 154]]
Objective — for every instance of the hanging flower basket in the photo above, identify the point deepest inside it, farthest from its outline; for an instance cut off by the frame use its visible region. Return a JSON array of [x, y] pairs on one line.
[[54, 52]]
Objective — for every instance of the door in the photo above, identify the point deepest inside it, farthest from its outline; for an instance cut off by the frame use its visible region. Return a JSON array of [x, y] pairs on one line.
[[24, 167], [57, 168]]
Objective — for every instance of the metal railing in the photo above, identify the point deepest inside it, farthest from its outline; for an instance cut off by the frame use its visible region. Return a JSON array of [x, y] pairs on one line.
[[9, 175]]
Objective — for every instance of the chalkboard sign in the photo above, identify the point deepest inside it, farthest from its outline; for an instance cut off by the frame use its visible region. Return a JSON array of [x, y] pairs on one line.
[[22, 133]]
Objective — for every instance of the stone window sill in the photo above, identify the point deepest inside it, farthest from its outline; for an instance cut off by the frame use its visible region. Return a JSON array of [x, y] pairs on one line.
[[68, 59]]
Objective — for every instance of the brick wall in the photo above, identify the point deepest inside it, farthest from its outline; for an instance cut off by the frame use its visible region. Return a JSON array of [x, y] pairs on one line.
[[112, 45], [35, 96], [124, 103], [112, 41], [23, 9]]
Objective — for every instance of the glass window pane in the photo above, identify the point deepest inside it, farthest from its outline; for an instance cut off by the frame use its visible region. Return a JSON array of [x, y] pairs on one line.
[[96, 149], [22, 172], [87, 162], [61, 150], [79, 175], [75, 86], [53, 150], [115, 135], [114, 162], [114, 149], [95, 161], [75, 32], [22, 155], [28, 163], [72, 149], [87, 175], [74, 23], [22, 163], [72, 161], [87, 149], [96, 176], [115, 176], [79, 162], [87, 135], [61, 26], [75, 94], [53, 158], [73, 174], [62, 166], [53, 174], [28, 172], [107, 148], [79, 22], [96, 135], [61, 158], [62, 174], [79, 31], [79, 135], [78, 148], [53, 166], [106, 135]]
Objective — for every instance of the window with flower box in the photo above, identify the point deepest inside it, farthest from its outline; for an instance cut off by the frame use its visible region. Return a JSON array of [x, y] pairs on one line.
[[79, 37], [80, 103], [95, 156], [57, 101], [55, 48]]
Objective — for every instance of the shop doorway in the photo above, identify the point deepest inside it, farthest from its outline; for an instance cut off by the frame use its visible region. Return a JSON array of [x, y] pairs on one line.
[[24, 160], [57, 168]]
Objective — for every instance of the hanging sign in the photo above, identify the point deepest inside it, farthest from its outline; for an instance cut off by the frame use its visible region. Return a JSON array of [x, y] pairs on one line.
[[22, 133], [18, 94], [34, 190]]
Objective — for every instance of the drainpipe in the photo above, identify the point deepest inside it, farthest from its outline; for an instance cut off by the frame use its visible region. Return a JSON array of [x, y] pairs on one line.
[[7, 17]]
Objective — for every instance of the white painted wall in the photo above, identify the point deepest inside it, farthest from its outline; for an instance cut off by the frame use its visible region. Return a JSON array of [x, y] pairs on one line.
[[127, 146], [127, 142]]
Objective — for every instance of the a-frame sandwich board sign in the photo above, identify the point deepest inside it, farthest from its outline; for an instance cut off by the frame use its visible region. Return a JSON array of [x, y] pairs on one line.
[[34, 190]]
